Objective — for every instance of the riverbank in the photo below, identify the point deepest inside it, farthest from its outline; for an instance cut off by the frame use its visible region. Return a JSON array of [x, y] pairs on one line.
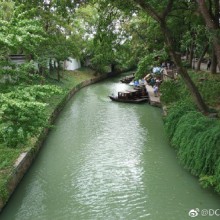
[[194, 136], [14, 162]]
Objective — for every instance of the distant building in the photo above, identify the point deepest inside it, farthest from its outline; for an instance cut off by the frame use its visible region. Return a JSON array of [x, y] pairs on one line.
[[18, 58], [71, 64]]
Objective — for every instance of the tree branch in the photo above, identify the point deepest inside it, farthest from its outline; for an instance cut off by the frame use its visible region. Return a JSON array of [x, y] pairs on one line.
[[167, 9], [206, 15], [150, 10]]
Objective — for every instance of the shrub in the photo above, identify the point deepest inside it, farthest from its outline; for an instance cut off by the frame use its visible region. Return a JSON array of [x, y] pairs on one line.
[[197, 141], [210, 90], [176, 111], [22, 113], [172, 91]]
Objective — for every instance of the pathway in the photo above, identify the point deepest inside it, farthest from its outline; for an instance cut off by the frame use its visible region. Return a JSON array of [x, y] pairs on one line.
[[154, 100]]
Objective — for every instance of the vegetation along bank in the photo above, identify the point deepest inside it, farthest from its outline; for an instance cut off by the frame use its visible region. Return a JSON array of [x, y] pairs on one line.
[[195, 136]]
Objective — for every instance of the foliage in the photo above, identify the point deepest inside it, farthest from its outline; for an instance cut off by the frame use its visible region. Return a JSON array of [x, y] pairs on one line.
[[207, 181], [6, 156], [208, 85], [197, 141], [145, 65], [115, 38], [6, 9], [176, 110], [149, 61], [20, 34], [22, 73], [27, 72], [210, 89], [3, 188], [22, 113], [107, 38], [40, 30], [186, 64], [172, 91]]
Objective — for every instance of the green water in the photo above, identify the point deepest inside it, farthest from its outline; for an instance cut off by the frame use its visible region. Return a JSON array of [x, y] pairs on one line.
[[108, 161]]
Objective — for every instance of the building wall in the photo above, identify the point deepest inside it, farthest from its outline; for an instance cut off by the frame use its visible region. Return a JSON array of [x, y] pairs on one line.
[[72, 64]]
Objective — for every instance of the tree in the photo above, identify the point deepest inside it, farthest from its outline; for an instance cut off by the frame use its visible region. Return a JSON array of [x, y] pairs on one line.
[[22, 113], [17, 35], [196, 44], [161, 17], [110, 40], [85, 24], [6, 9], [107, 40], [60, 36], [211, 17]]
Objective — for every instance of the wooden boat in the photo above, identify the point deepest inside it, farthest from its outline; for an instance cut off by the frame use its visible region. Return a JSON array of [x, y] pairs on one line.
[[142, 91], [131, 96], [127, 79]]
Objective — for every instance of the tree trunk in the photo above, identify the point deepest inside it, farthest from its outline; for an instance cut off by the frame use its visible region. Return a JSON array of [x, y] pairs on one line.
[[58, 70], [113, 68], [50, 66], [40, 69], [201, 57], [191, 55], [187, 54], [213, 26], [213, 62], [217, 50]]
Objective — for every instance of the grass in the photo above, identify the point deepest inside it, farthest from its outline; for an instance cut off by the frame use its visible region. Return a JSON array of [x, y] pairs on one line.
[[208, 85], [8, 156], [68, 81]]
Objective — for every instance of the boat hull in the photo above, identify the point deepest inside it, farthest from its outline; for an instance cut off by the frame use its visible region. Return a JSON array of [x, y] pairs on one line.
[[127, 79], [136, 101]]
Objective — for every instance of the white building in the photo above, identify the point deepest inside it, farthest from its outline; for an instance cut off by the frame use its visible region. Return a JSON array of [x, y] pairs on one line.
[[71, 64]]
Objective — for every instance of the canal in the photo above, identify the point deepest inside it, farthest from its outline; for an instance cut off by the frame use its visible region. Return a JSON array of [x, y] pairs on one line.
[[107, 160]]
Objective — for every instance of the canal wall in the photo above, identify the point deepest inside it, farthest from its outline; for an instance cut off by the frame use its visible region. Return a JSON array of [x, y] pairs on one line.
[[25, 160]]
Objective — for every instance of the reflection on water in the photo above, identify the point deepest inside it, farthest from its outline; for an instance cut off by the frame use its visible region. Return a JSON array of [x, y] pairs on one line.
[[107, 160]]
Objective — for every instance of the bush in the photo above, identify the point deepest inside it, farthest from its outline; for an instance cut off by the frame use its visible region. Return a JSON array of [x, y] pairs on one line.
[[145, 65], [22, 113], [14, 74], [176, 111], [210, 90], [172, 91], [186, 64], [197, 140]]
